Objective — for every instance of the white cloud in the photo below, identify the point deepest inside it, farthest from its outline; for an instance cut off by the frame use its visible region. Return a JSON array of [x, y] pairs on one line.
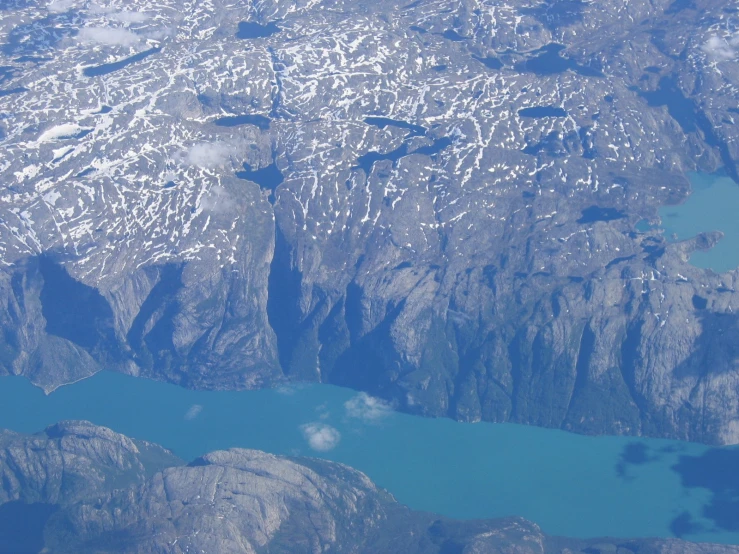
[[159, 34], [110, 36], [722, 49], [193, 412], [209, 155], [215, 200], [367, 408], [116, 15], [129, 17], [323, 412], [321, 437], [60, 6], [286, 390]]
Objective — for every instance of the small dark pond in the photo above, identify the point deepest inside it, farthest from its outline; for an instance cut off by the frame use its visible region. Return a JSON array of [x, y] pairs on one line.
[[549, 61], [366, 161], [105, 69], [596, 213], [382, 122], [250, 30], [490, 62], [260, 121], [16, 90], [542, 111]]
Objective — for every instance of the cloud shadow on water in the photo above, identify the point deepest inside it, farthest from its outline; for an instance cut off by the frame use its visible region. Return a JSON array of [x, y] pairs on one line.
[[715, 470], [633, 454], [684, 524]]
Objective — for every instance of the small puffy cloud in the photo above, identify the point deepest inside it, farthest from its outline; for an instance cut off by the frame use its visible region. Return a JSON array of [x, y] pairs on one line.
[[367, 408], [60, 6], [209, 155], [193, 412], [722, 49], [110, 36], [320, 437], [215, 200]]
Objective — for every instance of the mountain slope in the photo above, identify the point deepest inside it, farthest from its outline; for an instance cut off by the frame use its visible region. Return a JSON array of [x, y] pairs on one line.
[[434, 202], [237, 501]]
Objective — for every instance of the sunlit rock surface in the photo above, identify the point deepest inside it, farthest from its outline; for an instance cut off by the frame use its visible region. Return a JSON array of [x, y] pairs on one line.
[[434, 202], [141, 499]]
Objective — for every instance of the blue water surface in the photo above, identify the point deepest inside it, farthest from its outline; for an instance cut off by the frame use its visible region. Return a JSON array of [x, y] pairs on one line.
[[569, 484], [713, 205]]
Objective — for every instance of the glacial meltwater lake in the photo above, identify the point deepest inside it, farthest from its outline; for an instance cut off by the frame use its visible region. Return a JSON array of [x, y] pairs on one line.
[[569, 484], [713, 205]]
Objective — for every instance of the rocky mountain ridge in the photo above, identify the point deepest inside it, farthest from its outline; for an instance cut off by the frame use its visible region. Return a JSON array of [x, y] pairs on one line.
[[435, 203], [121, 495]]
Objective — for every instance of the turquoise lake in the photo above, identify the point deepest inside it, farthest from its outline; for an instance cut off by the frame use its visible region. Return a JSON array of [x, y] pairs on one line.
[[713, 205], [569, 484]]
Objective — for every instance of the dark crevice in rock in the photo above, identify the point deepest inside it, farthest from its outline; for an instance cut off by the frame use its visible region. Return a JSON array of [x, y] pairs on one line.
[[589, 152], [277, 110], [365, 363], [582, 364], [619, 260], [631, 359], [156, 346], [283, 300]]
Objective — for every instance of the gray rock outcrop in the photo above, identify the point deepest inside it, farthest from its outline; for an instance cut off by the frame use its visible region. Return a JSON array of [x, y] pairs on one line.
[[433, 202], [108, 493]]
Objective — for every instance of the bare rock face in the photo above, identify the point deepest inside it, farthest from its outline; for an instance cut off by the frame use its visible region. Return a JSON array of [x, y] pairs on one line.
[[236, 501], [85, 489], [434, 202], [74, 460]]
